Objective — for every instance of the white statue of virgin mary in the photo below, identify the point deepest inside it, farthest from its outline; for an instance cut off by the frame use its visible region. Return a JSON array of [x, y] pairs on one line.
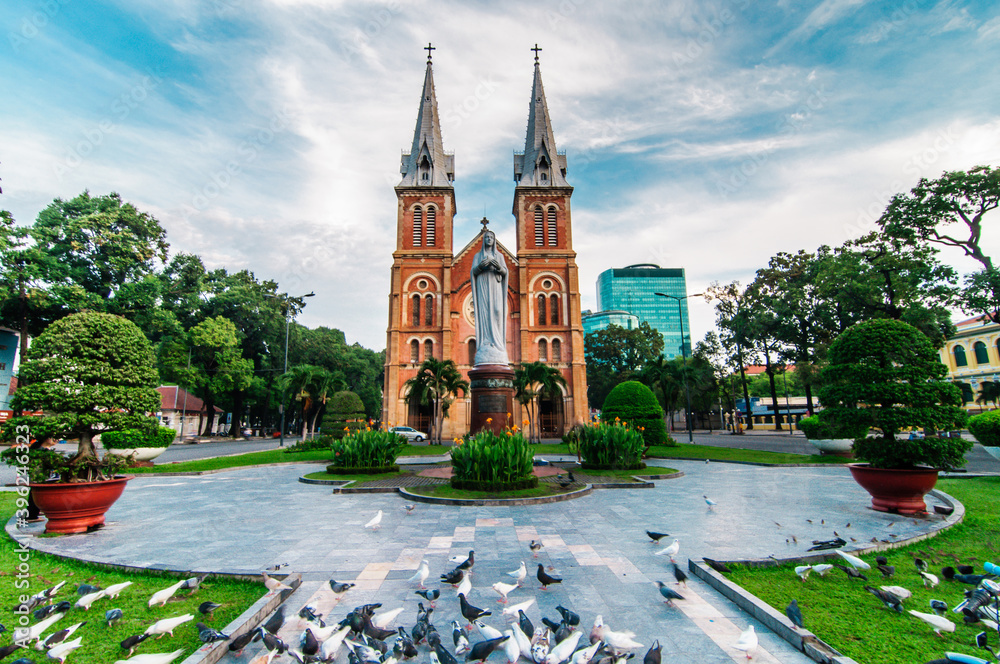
[[489, 301]]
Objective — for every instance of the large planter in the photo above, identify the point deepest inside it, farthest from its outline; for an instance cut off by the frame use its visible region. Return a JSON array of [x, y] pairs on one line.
[[77, 506], [895, 490], [141, 453], [838, 446]]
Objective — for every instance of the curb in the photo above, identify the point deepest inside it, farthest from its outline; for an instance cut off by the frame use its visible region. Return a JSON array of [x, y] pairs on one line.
[[498, 502]]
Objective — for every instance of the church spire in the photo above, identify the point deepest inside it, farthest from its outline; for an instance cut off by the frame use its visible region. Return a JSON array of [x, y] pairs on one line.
[[426, 164], [540, 165]]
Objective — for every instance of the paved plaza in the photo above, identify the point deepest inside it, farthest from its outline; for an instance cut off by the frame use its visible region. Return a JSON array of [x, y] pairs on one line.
[[244, 521]]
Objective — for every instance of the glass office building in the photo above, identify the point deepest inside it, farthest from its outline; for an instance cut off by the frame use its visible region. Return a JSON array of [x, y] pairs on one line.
[[592, 322], [632, 289]]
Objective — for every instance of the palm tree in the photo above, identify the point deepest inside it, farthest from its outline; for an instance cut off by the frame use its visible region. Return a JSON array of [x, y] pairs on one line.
[[533, 380], [298, 381], [323, 384], [437, 382]]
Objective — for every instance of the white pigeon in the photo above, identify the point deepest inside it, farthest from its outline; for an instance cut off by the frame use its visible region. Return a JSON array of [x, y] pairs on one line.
[[939, 623], [584, 655], [487, 631], [272, 583], [803, 571], [43, 644], [822, 568], [323, 633], [161, 596], [898, 591], [382, 620], [708, 501], [88, 599], [328, 651], [503, 589], [540, 646], [623, 640], [36, 630], [671, 550], [520, 606], [519, 573], [564, 649], [930, 580], [116, 590], [168, 625], [62, 651], [465, 585], [511, 648], [376, 520], [421, 575], [156, 657], [855, 562], [747, 642], [523, 642]]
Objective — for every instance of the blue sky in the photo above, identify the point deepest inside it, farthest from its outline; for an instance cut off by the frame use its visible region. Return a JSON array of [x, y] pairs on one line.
[[705, 135]]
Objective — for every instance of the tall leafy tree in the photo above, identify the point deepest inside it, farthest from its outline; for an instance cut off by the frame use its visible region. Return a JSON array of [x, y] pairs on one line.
[[300, 384], [437, 382], [532, 381], [615, 355], [733, 317]]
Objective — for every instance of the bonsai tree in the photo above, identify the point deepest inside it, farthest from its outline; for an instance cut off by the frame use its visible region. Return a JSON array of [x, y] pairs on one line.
[[88, 373], [885, 374], [634, 403]]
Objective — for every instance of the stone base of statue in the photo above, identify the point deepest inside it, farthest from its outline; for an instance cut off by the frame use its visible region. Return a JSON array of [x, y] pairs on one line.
[[492, 389]]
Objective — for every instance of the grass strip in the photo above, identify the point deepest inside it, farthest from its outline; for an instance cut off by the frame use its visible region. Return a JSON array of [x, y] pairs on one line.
[[101, 642], [688, 451], [359, 480], [842, 613], [446, 491]]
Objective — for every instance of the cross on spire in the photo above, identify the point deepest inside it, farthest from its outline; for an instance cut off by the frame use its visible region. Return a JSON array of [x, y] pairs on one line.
[[485, 222], [536, 50], [429, 48]]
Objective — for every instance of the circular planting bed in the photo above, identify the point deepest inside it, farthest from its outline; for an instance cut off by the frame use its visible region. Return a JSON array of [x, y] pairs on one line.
[[447, 495]]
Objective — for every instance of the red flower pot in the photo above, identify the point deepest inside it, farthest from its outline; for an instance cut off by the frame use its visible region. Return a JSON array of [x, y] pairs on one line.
[[75, 507], [895, 490]]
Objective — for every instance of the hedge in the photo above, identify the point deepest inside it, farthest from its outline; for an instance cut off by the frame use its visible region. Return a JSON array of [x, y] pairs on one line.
[[986, 428], [634, 403], [128, 439]]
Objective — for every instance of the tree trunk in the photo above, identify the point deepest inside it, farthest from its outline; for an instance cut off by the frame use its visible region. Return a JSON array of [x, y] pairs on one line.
[[809, 399], [236, 429], [746, 392], [86, 447], [774, 391], [209, 416]]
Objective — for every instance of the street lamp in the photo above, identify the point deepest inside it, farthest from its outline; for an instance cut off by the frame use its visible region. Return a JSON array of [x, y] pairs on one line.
[[288, 322], [687, 392]]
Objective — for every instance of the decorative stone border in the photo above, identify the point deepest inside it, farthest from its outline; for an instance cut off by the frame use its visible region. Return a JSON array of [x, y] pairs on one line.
[[497, 502]]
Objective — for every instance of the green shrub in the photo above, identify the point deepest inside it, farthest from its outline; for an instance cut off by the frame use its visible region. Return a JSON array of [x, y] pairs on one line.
[[944, 453], [635, 403], [345, 415], [614, 445], [986, 428], [128, 439], [815, 427], [370, 448], [503, 459], [317, 443]]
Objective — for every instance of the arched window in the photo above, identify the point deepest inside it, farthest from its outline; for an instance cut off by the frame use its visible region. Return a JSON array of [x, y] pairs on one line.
[[967, 395], [416, 310], [414, 352], [539, 226], [418, 226], [429, 310], [556, 350], [472, 352], [428, 349], [553, 237], [543, 351], [431, 225], [960, 360], [541, 310], [982, 355], [554, 309]]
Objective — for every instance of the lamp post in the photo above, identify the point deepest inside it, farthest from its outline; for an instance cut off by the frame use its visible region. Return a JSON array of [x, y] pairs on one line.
[[687, 392], [288, 323]]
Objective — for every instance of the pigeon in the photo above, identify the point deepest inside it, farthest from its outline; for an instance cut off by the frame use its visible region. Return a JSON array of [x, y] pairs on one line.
[[464, 586], [421, 575], [939, 607], [408, 508], [668, 594], [87, 600], [523, 642], [112, 615], [851, 572], [470, 612], [887, 570], [153, 658], [890, 600], [930, 580], [655, 536], [270, 583], [855, 562], [680, 576], [433, 637], [535, 546], [511, 649], [132, 642], [238, 643], [115, 590], [563, 649], [540, 648], [51, 591], [168, 625], [375, 522], [921, 564], [458, 636], [161, 596], [519, 574], [568, 616], [484, 649], [708, 501], [465, 562], [822, 568], [898, 591], [308, 643], [939, 623], [56, 638], [486, 631], [803, 571], [525, 624], [207, 608], [194, 583], [503, 589], [514, 609], [721, 568], [430, 595], [623, 640], [8, 650], [45, 611], [209, 635], [671, 550], [62, 651], [340, 588], [330, 647], [440, 655], [584, 655], [545, 579], [966, 569], [308, 613], [881, 560], [83, 589], [383, 620], [35, 631], [454, 577], [794, 614], [276, 620], [653, 655], [747, 642]]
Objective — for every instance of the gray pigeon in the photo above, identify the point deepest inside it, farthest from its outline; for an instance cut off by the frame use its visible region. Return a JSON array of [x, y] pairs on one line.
[[668, 593], [794, 614]]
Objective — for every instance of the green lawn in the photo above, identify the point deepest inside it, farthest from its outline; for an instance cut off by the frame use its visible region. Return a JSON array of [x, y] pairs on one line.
[[687, 451], [100, 642], [853, 621]]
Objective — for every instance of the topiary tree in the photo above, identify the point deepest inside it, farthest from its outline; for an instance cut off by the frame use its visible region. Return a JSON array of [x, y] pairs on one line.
[[634, 403], [986, 428], [886, 375], [87, 373], [343, 410]]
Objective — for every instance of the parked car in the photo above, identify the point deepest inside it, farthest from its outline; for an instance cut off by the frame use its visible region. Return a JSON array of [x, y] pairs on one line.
[[410, 433]]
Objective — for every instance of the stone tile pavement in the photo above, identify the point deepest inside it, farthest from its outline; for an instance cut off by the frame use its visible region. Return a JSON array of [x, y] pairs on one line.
[[244, 521]]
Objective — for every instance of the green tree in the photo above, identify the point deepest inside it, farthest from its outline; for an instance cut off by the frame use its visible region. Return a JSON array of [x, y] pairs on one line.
[[299, 383], [532, 381], [89, 372], [733, 319], [437, 382], [615, 355]]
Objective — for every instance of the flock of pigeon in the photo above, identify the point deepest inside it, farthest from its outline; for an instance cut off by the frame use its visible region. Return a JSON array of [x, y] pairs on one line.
[[47, 609]]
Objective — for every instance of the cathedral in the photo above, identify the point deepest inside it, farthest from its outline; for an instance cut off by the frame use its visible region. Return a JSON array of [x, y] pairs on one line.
[[430, 303]]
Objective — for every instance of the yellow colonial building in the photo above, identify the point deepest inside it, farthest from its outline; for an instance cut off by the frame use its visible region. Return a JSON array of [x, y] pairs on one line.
[[973, 360]]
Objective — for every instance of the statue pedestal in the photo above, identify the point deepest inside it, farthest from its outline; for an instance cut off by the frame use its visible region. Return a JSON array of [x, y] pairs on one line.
[[492, 390]]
